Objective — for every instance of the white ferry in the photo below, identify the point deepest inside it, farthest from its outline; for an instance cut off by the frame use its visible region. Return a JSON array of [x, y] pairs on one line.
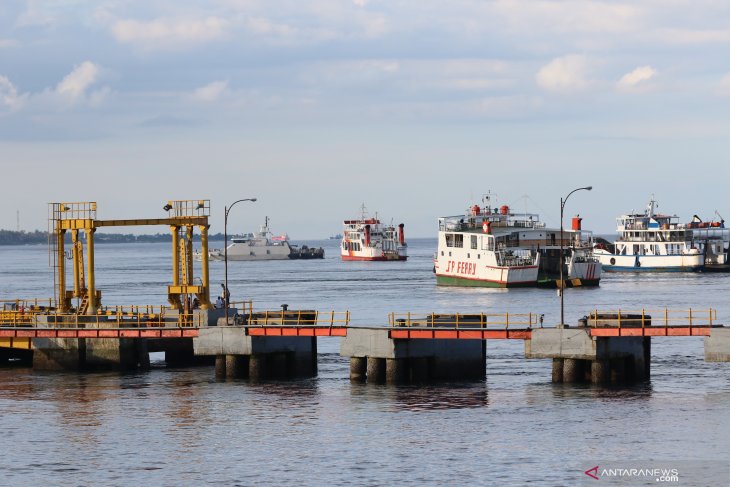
[[370, 240], [253, 246], [651, 242], [494, 247]]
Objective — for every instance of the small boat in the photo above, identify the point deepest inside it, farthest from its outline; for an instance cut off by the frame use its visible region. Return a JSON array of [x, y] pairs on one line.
[[369, 239], [337, 236], [652, 242], [305, 252], [495, 247]]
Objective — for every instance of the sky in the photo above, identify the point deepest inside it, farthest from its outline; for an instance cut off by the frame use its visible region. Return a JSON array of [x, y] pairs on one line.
[[413, 108]]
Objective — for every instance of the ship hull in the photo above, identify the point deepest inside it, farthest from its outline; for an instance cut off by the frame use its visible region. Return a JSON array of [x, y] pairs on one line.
[[471, 282], [651, 263], [381, 258]]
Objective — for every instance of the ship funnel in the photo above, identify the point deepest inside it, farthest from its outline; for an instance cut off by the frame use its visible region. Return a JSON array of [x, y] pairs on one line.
[[367, 235], [577, 222], [401, 234]]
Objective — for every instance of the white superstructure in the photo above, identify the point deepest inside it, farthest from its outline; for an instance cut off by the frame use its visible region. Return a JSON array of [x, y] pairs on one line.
[[651, 241], [253, 246], [494, 247], [368, 239]]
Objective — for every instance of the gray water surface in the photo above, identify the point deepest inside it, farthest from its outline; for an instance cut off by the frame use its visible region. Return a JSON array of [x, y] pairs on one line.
[[181, 427]]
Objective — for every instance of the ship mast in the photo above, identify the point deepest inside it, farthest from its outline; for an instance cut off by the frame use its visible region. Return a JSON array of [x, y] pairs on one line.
[[651, 206]]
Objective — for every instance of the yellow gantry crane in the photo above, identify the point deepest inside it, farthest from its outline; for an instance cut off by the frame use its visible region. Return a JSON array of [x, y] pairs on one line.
[[183, 217]]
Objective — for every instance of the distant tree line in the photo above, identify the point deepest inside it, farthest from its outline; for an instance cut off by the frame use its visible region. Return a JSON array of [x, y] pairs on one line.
[[10, 237]]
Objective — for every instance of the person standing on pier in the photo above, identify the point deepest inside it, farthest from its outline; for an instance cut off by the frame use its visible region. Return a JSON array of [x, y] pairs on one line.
[[225, 295]]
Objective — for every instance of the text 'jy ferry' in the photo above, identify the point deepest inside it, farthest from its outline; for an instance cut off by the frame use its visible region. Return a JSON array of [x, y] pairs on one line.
[[494, 247]]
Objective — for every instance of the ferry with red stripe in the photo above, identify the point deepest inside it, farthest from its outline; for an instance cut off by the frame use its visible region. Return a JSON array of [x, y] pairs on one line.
[[368, 239], [495, 247]]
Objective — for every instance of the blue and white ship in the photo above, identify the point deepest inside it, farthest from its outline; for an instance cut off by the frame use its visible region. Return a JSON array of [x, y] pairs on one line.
[[651, 242]]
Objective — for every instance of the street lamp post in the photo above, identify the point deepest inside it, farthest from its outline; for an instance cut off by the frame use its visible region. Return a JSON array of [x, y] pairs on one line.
[[225, 250], [561, 286]]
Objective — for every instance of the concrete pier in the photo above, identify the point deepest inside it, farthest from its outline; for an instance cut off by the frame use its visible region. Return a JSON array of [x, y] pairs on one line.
[[258, 357], [376, 370], [579, 357], [358, 369], [416, 360], [717, 345]]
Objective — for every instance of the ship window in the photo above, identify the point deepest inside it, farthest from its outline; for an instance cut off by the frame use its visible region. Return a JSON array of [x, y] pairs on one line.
[[468, 255], [449, 239], [474, 242], [268, 251], [458, 240], [479, 256], [442, 253]]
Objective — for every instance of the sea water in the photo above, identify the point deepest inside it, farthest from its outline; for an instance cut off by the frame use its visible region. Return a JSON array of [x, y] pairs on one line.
[[178, 426]]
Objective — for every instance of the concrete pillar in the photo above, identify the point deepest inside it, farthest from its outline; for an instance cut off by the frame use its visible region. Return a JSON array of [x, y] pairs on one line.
[[116, 354], [396, 370], [59, 353], [484, 359], [220, 366], [376, 370], [573, 370], [258, 367], [278, 366], [600, 371], [314, 368], [358, 369], [558, 370], [618, 370], [647, 359], [419, 369], [233, 367]]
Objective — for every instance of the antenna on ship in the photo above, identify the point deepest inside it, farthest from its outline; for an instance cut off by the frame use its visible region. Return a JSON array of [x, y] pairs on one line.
[[487, 201], [651, 206]]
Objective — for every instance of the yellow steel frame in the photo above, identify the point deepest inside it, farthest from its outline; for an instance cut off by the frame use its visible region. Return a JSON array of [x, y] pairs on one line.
[[81, 216]]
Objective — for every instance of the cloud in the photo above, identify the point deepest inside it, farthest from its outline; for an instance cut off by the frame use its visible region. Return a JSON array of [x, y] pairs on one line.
[[169, 31], [692, 36], [360, 3], [638, 76], [563, 74], [211, 91], [75, 84], [34, 16], [9, 97], [723, 87]]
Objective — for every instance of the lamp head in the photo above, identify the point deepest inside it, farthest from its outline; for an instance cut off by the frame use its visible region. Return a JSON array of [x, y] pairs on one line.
[[167, 207], [589, 188], [253, 199]]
